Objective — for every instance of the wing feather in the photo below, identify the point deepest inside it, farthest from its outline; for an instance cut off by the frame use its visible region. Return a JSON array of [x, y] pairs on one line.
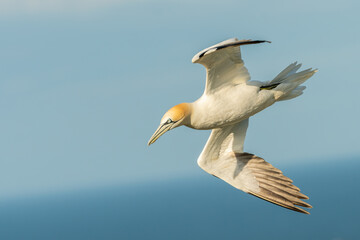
[[223, 157], [224, 64]]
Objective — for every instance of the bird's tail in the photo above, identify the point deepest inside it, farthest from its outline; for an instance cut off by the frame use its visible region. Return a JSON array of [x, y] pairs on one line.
[[287, 83]]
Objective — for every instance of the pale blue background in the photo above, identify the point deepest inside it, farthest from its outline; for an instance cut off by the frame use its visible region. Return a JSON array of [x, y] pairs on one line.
[[83, 85]]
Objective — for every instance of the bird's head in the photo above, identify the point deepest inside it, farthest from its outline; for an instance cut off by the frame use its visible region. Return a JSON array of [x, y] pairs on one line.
[[175, 117]]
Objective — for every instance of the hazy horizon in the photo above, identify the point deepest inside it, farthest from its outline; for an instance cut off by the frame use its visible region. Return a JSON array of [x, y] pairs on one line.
[[201, 207]]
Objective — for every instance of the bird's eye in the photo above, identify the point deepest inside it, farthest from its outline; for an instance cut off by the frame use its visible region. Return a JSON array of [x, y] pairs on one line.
[[169, 121]]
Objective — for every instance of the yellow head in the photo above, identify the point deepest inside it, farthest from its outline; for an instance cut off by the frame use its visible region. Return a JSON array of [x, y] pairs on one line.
[[175, 117]]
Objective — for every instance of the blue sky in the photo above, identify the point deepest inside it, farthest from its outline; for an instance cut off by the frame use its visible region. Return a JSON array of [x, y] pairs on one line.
[[83, 85]]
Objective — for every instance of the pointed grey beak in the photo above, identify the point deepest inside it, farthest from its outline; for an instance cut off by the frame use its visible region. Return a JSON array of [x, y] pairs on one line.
[[163, 128]]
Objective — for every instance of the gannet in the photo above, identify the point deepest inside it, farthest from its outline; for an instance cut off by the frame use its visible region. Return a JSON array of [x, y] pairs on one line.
[[229, 100]]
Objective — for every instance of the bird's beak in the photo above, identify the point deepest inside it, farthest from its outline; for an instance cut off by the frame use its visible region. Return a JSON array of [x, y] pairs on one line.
[[163, 128]]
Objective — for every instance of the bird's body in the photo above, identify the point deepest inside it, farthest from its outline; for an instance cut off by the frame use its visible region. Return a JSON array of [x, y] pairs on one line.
[[229, 105], [229, 99]]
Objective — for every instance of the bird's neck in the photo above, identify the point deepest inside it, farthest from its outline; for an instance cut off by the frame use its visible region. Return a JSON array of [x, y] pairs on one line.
[[187, 111]]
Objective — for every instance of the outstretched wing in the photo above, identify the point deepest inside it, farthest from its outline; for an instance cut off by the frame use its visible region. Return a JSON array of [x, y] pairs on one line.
[[224, 158], [224, 64]]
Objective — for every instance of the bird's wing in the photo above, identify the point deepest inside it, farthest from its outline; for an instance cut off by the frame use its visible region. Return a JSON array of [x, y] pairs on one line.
[[224, 158], [224, 64]]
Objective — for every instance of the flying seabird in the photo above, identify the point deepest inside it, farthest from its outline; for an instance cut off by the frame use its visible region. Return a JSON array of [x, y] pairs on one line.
[[228, 101]]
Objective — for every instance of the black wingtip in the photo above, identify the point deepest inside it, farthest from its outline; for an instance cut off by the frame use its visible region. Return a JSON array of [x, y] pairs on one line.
[[241, 42], [256, 41], [231, 44]]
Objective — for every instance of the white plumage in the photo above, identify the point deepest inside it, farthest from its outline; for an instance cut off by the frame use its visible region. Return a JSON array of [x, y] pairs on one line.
[[229, 99]]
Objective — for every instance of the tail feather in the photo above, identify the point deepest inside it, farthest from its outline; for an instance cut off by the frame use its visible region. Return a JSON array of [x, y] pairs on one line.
[[299, 77], [293, 94], [288, 82], [292, 68]]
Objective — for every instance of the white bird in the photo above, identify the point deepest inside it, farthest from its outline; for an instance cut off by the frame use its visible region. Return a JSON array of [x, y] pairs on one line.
[[227, 103]]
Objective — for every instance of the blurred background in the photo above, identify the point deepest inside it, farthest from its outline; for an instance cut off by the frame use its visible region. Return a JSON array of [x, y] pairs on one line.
[[84, 84]]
